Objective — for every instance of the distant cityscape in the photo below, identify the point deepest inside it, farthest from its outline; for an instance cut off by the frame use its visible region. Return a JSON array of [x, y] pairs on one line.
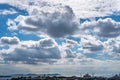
[[57, 77]]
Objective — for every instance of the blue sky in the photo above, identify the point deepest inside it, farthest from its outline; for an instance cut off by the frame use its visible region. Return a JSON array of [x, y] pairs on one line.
[[68, 37]]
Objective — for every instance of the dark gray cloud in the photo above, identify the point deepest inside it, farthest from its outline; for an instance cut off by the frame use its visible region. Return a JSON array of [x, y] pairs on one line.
[[48, 43], [108, 28], [94, 48], [9, 40], [34, 54], [103, 28], [59, 23]]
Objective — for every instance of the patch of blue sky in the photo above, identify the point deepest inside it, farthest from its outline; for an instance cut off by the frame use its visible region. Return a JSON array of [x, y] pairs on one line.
[[103, 39], [26, 37], [113, 16], [3, 19], [59, 41], [8, 7], [77, 39], [3, 26], [91, 55], [95, 55], [84, 19], [75, 49], [99, 56]]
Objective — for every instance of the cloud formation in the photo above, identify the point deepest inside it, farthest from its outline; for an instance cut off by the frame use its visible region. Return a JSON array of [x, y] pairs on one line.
[[103, 28], [96, 7], [113, 48], [34, 52], [9, 40], [91, 44], [90, 8], [59, 23], [7, 12]]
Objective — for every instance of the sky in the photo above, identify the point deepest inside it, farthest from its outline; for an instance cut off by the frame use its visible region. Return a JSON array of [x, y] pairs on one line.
[[69, 37]]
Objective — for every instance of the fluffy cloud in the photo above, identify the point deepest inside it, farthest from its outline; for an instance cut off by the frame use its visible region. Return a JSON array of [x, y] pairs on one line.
[[7, 12], [58, 23], [91, 44], [80, 8], [113, 48], [34, 52], [5, 1], [70, 44], [103, 27], [9, 40], [11, 24], [91, 8], [66, 49]]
